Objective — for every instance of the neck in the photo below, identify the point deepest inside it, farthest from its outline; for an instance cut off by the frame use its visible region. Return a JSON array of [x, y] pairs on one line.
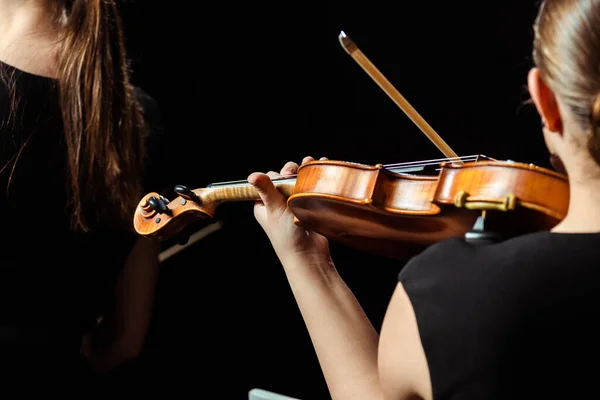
[[583, 215], [22, 17], [28, 35]]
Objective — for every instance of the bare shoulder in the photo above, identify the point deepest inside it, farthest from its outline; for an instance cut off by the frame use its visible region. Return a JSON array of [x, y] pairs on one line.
[[403, 369]]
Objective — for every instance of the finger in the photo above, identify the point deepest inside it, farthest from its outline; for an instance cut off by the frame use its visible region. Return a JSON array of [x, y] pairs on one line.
[[307, 159], [260, 212], [323, 158], [274, 175], [270, 196], [290, 168]]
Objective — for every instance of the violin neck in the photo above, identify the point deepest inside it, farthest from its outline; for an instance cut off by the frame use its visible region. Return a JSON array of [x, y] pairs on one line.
[[243, 191]]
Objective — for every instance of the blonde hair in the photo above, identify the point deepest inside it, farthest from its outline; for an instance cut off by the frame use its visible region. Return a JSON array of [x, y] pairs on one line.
[[567, 53]]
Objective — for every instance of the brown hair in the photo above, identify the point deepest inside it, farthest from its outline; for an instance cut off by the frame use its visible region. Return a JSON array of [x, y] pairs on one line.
[[567, 53], [103, 123]]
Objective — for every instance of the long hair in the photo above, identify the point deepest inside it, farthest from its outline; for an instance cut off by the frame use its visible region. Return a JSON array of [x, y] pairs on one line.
[[567, 53], [104, 128]]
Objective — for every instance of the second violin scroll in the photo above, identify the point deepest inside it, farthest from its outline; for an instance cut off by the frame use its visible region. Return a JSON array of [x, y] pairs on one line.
[[387, 210]]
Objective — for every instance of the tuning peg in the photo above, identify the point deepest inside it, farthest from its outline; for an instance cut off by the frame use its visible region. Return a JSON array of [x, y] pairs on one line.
[[158, 205], [187, 194]]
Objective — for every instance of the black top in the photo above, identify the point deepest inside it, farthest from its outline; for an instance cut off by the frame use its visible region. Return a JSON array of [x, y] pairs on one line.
[[515, 319], [54, 283]]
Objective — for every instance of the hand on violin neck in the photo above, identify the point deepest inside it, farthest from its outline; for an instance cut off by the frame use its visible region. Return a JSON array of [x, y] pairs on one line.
[[270, 197], [294, 245]]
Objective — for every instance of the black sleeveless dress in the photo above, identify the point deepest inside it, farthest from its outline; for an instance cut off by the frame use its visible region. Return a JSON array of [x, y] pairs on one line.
[[53, 282], [517, 319]]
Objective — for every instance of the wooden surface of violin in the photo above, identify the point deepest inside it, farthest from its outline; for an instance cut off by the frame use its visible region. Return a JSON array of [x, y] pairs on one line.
[[385, 210]]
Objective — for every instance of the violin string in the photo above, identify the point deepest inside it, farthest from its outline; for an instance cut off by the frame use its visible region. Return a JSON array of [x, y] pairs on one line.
[[413, 164], [432, 162]]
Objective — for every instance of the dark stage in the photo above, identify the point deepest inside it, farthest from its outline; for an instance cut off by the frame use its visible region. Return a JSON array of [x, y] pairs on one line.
[[246, 87]]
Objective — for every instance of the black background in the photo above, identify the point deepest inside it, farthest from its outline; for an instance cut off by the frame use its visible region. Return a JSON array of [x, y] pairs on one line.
[[246, 87]]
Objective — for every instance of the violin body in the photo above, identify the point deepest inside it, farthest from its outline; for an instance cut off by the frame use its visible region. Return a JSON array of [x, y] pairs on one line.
[[372, 208], [377, 210], [384, 211]]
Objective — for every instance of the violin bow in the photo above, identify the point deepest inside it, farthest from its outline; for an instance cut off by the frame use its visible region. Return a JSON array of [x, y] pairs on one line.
[[352, 49]]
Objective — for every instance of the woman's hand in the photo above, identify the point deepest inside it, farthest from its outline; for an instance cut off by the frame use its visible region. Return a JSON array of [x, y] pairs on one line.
[[292, 243]]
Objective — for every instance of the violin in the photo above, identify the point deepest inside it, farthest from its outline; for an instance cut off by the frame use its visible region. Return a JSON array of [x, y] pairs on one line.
[[392, 210]]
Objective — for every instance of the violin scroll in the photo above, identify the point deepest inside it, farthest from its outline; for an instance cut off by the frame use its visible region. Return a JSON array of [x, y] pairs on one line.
[[159, 218]]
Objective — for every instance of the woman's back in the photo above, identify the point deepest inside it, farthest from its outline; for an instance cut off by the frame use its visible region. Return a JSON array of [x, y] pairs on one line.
[[544, 286]]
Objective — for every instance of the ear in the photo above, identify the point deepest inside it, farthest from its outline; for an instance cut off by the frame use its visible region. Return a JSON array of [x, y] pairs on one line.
[[545, 101]]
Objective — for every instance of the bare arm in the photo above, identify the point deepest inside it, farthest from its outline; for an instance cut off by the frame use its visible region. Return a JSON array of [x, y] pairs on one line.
[[120, 335], [347, 344], [403, 369], [343, 337]]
